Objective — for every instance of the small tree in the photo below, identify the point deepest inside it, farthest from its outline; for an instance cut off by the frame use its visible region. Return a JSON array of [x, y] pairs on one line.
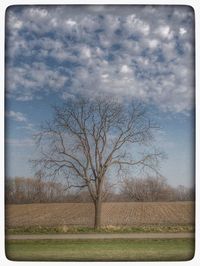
[[87, 138]]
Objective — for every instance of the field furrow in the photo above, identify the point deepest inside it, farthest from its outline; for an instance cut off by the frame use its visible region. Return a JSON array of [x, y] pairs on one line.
[[113, 213]]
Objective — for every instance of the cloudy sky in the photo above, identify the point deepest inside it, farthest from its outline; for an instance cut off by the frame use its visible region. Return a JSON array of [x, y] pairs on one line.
[[54, 53]]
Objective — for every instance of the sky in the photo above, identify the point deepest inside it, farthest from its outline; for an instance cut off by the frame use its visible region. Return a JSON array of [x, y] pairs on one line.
[[56, 53]]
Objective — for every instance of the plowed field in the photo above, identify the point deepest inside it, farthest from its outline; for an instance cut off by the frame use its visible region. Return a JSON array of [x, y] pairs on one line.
[[115, 213]]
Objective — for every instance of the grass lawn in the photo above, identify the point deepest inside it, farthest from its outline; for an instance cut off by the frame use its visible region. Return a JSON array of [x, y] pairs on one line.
[[101, 250]]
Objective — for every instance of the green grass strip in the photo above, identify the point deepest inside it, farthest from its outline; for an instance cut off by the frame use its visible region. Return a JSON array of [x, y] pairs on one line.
[[101, 250]]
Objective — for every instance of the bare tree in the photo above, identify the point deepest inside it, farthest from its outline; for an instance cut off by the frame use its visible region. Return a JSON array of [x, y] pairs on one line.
[[146, 189], [88, 138], [134, 189], [184, 193]]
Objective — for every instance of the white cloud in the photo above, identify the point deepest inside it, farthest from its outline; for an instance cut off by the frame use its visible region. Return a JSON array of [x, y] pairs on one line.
[[17, 116], [105, 76], [85, 52], [164, 31], [153, 43], [25, 98], [70, 22], [144, 52], [66, 95], [24, 81], [125, 69], [136, 25], [182, 31]]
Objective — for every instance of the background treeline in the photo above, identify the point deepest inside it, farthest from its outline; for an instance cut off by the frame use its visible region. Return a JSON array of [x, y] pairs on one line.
[[30, 190]]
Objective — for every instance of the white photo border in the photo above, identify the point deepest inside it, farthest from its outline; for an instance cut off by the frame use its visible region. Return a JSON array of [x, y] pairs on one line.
[[196, 6]]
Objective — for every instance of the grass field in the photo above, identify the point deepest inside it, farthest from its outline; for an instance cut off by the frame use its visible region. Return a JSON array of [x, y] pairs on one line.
[[113, 213], [101, 250]]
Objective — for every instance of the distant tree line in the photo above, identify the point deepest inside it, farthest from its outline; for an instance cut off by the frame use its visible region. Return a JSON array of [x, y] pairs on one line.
[[154, 189], [31, 190]]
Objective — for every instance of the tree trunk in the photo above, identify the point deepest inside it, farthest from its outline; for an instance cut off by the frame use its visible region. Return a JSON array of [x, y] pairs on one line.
[[97, 219]]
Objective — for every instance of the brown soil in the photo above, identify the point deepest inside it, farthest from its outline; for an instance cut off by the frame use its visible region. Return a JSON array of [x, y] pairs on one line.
[[115, 213]]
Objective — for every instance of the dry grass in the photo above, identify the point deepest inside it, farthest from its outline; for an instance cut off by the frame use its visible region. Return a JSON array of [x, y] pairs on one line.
[[113, 214]]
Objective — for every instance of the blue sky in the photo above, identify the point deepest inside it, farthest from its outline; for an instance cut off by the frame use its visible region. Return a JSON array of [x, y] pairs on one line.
[[144, 52]]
